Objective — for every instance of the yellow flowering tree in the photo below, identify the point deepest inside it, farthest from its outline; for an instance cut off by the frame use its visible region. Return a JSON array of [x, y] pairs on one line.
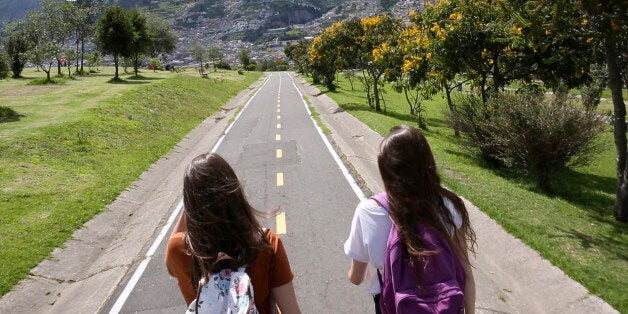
[[378, 52], [416, 81], [477, 38], [335, 49]]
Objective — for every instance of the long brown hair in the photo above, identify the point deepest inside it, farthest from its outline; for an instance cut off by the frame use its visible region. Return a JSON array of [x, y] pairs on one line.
[[415, 194], [219, 218]]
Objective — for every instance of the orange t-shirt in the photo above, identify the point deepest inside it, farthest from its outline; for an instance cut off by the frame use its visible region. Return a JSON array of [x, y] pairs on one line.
[[271, 269]]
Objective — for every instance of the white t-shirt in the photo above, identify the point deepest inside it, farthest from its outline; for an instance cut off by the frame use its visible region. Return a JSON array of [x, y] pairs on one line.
[[369, 233]]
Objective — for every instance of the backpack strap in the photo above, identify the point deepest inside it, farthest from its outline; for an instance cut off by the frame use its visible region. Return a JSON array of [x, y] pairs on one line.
[[382, 200]]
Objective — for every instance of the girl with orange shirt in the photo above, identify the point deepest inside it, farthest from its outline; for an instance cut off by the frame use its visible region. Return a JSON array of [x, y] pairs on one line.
[[218, 218]]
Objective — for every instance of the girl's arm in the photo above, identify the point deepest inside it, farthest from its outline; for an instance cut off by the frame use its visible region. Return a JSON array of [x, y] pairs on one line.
[[469, 290], [357, 272], [286, 299], [180, 226]]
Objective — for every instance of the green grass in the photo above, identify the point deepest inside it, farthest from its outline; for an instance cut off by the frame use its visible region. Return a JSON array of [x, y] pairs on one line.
[[572, 227], [77, 146], [317, 117]]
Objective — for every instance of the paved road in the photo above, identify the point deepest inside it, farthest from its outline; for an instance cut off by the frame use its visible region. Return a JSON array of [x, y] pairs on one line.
[[90, 272], [283, 162]]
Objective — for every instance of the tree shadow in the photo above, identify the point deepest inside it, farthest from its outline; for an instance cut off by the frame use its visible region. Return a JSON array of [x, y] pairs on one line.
[[361, 107], [12, 118], [126, 82], [590, 191], [609, 244], [144, 78]]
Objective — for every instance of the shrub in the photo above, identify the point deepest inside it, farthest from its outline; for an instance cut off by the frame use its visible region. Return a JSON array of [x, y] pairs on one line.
[[251, 67], [222, 65], [7, 113], [525, 133], [592, 91]]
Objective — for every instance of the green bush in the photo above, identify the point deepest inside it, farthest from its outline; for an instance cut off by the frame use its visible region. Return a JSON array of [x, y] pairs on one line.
[[528, 134], [7, 113], [222, 65], [251, 67]]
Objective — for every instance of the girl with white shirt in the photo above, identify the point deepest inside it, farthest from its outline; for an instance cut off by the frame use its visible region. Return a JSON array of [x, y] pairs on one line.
[[415, 195]]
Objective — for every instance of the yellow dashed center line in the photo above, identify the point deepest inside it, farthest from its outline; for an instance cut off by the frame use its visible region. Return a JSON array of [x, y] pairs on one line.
[[281, 223], [279, 153], [279, 125], [278, 137], [280, 179], [278, 110], [278, 117]]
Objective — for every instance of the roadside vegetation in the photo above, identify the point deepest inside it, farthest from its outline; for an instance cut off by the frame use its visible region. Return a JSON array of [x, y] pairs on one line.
[[73, 148], [572, 226]]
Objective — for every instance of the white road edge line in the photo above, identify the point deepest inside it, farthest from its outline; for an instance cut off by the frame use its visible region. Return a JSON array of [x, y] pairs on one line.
[[115, 309], [354, 185]]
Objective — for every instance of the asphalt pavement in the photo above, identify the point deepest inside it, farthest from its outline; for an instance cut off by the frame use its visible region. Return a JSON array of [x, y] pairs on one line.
[[116, 260]]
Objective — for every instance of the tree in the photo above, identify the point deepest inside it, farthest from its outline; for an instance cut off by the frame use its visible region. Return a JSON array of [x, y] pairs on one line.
[[199, 53], [18, 41], [335, 49], [163, 40], [378, 49], [214, 54], [141, 38], [50, 32], [298, 54], [94, 59], [244, 57], [4, 65], [114, 34], [82, 16], [609, 19]]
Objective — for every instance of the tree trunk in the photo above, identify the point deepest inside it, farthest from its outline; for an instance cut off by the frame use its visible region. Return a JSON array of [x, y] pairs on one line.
[[376, 91], [452, 110], [115, 61], [483, 89], [58, 67], [82, 52], [136, 62], [619, 132], [77, 51]]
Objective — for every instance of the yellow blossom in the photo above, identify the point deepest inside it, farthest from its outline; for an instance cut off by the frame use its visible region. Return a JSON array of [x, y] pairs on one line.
[[428, 56], [377, 54], [516, 30], [407, 65], [455, 16]]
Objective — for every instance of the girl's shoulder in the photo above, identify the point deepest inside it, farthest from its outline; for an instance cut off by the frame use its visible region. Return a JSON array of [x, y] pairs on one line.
[[273, 239], [370, 206]]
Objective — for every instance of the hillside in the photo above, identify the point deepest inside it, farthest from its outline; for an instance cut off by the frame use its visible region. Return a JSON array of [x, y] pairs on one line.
[[262, 26]]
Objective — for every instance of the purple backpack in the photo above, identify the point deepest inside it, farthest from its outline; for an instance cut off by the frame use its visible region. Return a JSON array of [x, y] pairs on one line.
[[439, 288]]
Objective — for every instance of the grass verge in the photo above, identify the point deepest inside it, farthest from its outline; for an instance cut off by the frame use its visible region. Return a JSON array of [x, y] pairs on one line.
[[56, 176], [573, 227]]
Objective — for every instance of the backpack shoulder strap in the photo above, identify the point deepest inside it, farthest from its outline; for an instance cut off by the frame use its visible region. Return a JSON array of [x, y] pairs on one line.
[[382, 200]]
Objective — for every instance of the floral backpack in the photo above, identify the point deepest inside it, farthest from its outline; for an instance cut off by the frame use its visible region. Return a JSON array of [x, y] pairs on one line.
[[436, 288], [228, 290]]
